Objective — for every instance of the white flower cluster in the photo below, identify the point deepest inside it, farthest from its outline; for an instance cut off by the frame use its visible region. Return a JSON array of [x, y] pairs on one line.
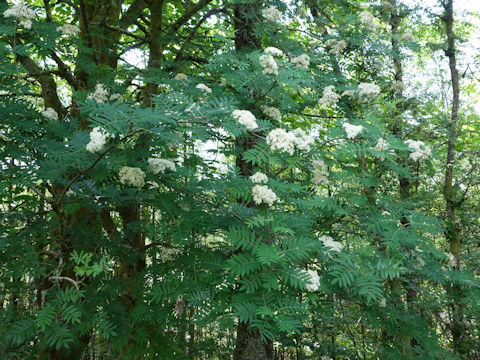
[[330, 97], [420, 150], [269, 65], [336, 46], [349, 93], [50, 114], [279, 139], [368, 20], [204, 88], [23, 14], [313, 281], [301, 140], [272, 14], [452, 261], [259, 178], [272, 112], [100, 95], [245, 118], [116, 97], [384, 43], [368, 90], [273, 51], [158, 165], [352, 130], [262, 194], [98, 139], [320, 174], [132, 176], [408, 37], [382, 145], [330, 243], [69, 30], [302, 61], [180, 76]]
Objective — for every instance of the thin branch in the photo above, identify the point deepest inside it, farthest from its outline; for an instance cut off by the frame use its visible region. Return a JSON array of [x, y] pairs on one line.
[[66, 278]]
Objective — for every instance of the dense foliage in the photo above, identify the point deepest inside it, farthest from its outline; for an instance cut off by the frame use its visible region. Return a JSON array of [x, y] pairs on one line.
[[236, 179]]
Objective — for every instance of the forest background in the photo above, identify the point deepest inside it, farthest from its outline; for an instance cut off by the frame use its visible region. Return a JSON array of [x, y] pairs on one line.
[[239, 179]]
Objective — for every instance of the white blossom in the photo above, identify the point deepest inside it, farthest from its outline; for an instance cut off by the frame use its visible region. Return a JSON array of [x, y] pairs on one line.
[[320, 174], [279, 139], [302, 61], [368, 90], [22, 13], [385, 43], [98, 139], [204, 88], [272, 14], [330, 243], [368, 20], [313, 280], [382, 145], [100, 95], [259, 178], [157, 165], [272, 112], [408, 37], [132, 176], [68, 29], [245, 118], [70, 192], [301, 140], [262, 194], [116, 97], [180, 76], [273, 51], [336, 46], [451, 259], [348, 93], [153, 185], [330, 97], [420, 150], [169, 253], [420, 262], [352, 130], [269, 65], [382, 302], [50, 114]]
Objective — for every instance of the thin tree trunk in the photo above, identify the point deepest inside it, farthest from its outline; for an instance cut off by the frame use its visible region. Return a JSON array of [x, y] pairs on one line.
[[249, 344], [452, 232]]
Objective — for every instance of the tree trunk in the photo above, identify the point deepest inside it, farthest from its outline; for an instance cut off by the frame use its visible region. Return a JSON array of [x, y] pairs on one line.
[[249, 344], [452, 232]]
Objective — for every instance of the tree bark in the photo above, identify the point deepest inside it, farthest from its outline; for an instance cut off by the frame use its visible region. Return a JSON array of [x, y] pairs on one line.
[[452, 232], [249, 344]]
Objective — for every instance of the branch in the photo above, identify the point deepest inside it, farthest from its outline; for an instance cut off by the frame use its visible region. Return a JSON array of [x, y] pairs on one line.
[[64, 72], [84, 171], [65, 278], [188, 15], [179, 55], [132, 14]]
